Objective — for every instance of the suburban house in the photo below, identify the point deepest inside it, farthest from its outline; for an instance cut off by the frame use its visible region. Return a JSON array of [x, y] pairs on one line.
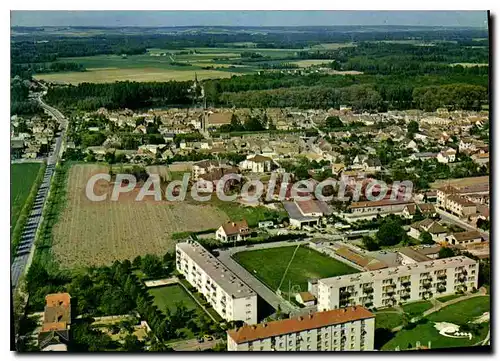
[[446, 156], [481, 158], [425, 209], [462, 207], [436, 230], [257, 164], [409, 255], [306, 213], [204, 167], [216, 120], [305, 298], [463, 238], [54, 334], [233, 231], [213, 177]]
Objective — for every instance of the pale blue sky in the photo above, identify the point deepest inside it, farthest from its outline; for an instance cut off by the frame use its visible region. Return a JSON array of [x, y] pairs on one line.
[[247, 18]]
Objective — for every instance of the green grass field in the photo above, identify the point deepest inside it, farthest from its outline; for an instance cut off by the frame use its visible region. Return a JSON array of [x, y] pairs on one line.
[[22, 177], [388, 320], [464, 310], [459, 313], [153, 66], [426, 332], [168, 296], [417, 308], [270, 264], [448, 298]]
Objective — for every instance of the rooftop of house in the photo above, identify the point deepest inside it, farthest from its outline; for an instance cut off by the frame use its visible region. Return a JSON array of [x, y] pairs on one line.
[[368, 263], [306, 296], [466, 236], [399, 271], [226, 279], [57, 313], [265, 330], [219, 118], [259, 159], [239, 227], [413, 254]]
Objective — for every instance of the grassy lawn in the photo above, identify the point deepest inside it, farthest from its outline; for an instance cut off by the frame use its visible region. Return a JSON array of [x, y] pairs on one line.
[[426, 332], [168, 296], [463, 311], [448, 298], [417, 308], [387, 320], [459, 313], [22, 177], [253, 215], [269, 265]]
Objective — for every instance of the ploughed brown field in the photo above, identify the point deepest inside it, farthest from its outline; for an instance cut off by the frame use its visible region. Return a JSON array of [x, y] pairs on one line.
[[97, 233]]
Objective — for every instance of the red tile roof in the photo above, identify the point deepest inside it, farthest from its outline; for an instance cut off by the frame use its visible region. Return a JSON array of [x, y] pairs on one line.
[[297, 324], [231, 228]]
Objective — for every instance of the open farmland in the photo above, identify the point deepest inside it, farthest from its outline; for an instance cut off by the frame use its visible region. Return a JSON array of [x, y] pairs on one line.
[[269, 265], [22, 177], [97, 233], [110, 75]]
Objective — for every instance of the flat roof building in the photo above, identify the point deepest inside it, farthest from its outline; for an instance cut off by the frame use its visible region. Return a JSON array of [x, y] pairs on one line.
[[227, 294], [387, 287]]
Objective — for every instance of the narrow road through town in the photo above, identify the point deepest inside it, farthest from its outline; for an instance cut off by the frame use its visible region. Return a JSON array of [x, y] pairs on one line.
[[25, 250], [447, 217]]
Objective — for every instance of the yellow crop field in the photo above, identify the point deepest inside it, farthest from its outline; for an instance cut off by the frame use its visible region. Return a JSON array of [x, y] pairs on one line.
[[110, 75], [97, 233]]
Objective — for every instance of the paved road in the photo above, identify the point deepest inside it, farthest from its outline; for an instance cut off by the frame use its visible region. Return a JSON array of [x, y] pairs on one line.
[[25, 249], [447, 217], [194, 345], [262, 290]]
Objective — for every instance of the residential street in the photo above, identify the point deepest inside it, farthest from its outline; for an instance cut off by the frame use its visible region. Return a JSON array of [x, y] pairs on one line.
[[194, 345], [447, 217], [25, 250]]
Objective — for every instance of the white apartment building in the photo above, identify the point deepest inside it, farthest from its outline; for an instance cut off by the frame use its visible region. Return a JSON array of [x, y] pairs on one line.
[[387, 287], [228, 295], [347, 329]]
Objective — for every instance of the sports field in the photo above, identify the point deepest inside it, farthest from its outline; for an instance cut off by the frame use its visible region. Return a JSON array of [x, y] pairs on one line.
[[22, 177], [269, 265]]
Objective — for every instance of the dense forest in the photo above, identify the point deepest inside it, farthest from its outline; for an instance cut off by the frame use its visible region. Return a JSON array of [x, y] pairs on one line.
[[133, 95], [394, 75]]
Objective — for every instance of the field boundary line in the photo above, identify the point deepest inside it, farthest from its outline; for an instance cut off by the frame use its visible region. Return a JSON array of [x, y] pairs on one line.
[[287, 267]]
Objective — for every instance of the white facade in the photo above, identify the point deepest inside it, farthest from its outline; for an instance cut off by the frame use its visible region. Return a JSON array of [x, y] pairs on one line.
[[301, 334], [228, 295], [388, 287]]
